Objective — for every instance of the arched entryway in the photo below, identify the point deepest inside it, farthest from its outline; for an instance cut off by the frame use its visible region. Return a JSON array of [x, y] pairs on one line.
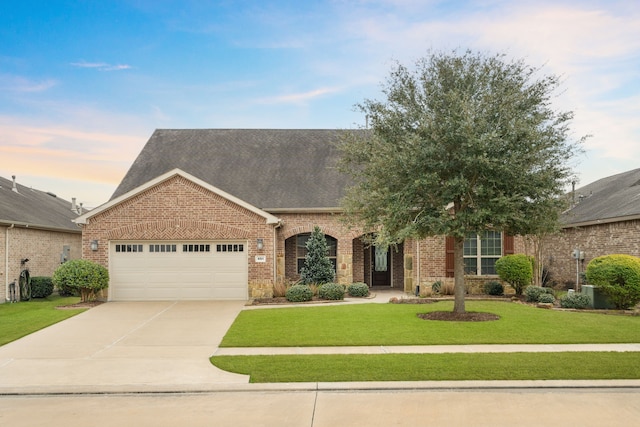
[[378, 266]]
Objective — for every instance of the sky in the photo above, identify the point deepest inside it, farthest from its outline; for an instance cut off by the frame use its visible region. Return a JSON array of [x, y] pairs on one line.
[[83, 84]]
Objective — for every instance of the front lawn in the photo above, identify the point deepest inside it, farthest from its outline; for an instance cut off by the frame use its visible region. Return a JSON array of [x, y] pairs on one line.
[[434, 367], [23, 318], [398, 324]]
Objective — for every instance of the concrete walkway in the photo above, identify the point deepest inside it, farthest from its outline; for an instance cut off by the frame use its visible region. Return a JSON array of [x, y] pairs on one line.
[[164, 347]]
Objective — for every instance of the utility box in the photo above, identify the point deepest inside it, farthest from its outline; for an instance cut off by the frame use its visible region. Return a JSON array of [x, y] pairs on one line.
[[597, 298]]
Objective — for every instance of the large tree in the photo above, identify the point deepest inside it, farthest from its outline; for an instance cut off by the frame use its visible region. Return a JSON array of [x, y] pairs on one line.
[[462, 143]]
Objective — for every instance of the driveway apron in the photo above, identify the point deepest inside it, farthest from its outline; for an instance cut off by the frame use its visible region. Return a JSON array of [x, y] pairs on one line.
[[124, 346]]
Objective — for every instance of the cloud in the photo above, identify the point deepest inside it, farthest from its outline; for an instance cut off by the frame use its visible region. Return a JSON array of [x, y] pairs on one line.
[[298, 98], [11, 83], [101, 66]]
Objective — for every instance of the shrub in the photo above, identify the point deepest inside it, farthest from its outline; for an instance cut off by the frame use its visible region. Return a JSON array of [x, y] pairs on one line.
[[575, 301], [533, 293], [358, 289], [83, 275], [279, 289], [299, 293], [317, 268], [493, 288], [546, 298], [516, 270], [332, 291], [41, 286], [618, 277], [436, 287]]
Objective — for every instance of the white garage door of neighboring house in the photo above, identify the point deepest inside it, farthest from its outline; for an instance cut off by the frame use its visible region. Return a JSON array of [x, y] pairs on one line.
[[148, 271]]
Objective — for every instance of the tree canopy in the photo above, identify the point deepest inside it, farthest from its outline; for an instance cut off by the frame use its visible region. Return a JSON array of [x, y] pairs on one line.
[[462, 143]]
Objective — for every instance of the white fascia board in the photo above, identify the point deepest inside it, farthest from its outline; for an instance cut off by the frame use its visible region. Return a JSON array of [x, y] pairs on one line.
[[166, 176]]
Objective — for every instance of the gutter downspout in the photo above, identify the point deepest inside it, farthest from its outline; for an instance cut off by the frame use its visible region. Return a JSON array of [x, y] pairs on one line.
[[6, 263]]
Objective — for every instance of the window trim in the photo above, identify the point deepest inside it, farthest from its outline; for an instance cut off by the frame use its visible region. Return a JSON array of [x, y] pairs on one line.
[[479, 256]]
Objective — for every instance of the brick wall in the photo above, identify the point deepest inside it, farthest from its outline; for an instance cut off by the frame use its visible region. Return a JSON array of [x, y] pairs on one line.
[[179, 209], [595, 240], [42, 247]]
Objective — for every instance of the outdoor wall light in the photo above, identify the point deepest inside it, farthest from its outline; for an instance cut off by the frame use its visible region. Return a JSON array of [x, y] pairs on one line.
[[94, 245], [260, 244]]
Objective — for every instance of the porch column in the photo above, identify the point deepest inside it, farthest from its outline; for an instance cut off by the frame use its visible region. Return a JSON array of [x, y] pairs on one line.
[[344, 260]]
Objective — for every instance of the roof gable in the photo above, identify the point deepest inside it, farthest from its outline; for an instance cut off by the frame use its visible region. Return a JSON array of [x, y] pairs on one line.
[[609, 199], [34, 208], [267, 168], [270, 219]]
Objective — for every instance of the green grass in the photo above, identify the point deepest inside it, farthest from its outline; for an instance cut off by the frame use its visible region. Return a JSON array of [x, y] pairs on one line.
[[398, 324], [434, 367], [24, 318]]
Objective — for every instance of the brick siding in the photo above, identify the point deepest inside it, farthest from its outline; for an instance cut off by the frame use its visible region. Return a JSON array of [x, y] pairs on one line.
[[595, 240], [42, 247]]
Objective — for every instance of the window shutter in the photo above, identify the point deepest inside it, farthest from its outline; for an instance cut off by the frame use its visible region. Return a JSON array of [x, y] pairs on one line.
[[508, 245], [449, 259]]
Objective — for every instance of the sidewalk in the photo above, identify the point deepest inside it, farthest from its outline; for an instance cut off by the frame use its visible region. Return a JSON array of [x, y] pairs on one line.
[[433, 349]]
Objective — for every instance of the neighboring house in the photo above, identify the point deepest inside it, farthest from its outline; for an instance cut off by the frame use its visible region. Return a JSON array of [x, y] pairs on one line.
[[225, 214], [604, 219], [37, 226]]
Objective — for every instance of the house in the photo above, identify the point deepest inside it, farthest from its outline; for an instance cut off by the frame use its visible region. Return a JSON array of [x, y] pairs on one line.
[[225, 214], [604, 219], [34, 225]]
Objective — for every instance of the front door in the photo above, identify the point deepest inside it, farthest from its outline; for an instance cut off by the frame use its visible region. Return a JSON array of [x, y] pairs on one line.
[[380, 266]]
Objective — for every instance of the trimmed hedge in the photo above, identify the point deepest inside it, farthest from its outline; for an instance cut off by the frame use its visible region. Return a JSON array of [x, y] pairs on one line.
[[41, 286], [493, 288], [299, 293], [534, 293], [575, 301], [82, 275], [618, 277], [516, 270], [331, 291], [358, 289]]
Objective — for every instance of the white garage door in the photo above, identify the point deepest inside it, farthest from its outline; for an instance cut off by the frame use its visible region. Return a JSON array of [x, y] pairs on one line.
[[148, 271]]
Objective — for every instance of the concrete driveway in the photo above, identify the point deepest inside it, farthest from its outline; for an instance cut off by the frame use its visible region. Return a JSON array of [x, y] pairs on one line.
[[138, 346]]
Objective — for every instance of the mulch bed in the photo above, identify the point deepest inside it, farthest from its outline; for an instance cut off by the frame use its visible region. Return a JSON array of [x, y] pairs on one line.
[[450, 316], [87, 304]]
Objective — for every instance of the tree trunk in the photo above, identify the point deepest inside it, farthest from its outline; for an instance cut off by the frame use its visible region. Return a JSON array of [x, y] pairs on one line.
[[458, 273]]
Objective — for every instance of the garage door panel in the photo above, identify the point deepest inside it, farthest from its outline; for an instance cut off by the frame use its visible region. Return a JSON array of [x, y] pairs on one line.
[[178, 275]]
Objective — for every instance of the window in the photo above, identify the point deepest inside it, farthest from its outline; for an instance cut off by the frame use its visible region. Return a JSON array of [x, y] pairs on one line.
[[128, 248], [481, 251], [196, 248], [235, 247], [162, 248], [301, 250]]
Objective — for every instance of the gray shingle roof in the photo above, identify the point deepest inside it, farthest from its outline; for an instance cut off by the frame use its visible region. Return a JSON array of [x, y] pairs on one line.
[[268, 168], [607, 199], [34, 208]]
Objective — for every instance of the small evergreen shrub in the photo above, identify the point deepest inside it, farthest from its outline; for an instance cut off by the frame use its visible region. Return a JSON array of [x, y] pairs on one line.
[[575, 301], [533, 293], [317, 267], [546, 298], [493, 288], [516, 270], [358, 289], [331, 291], [41, 286], [618, 277], [299, 293]]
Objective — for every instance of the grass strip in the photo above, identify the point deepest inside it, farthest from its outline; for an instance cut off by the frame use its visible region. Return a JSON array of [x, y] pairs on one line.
[[434, 367], [398, 324], [23, 318]]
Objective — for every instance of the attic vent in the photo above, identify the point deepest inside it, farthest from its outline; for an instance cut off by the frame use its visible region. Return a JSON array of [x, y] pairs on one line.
[[51, 194]]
